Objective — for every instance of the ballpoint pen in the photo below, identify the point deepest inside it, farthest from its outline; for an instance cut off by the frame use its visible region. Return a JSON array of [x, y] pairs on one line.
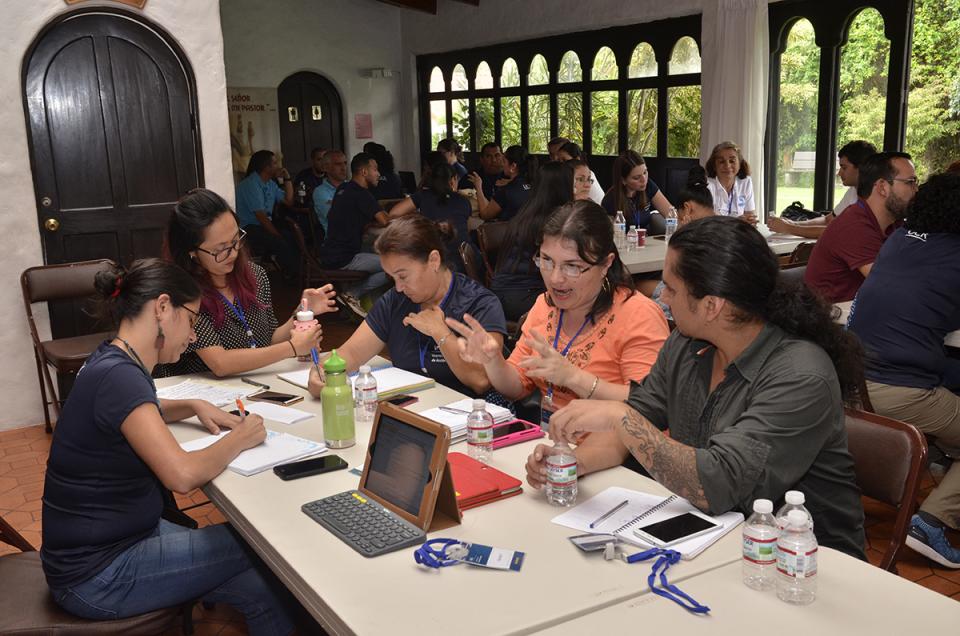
[[240, 410], [450, 409], [316, 361], [608, 514], [255, 383]]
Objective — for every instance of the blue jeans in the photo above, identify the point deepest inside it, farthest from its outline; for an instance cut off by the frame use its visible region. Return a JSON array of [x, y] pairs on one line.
[[175, 565], [367, 262]]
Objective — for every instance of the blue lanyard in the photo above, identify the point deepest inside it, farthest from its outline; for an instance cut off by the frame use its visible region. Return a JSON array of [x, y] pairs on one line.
[[423, 346], [666, 558], [556, 341], [730, 199], [237, 311]]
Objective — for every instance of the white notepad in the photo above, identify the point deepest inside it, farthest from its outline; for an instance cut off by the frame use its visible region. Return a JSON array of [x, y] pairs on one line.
[[457, 422], [643, 509], [277, 413], [278, 448], [216, 394], [390, 380]]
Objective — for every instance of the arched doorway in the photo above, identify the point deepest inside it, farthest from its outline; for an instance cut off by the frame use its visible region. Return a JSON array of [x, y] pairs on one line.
[[311, 115], [110, 105]]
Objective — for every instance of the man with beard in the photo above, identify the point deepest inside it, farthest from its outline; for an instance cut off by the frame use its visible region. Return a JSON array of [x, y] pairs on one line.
[[845, 252]]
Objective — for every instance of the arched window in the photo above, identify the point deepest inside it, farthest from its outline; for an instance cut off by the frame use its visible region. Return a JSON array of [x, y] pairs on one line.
[[458, 81], [483, 78], [539, 73], [569, 68], [864, 65], [605, 65], [643, 62], [685, 57], [510, 75], [437, 85]]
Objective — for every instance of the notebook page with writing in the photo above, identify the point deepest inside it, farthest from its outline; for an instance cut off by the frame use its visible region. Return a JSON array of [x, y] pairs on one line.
[[277, 448]]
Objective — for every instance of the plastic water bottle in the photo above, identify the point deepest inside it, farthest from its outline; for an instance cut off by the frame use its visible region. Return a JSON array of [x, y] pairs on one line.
[[671, 227], [480, 433], [365, 396], [795, 501], [760, 547], [301, 193], [632, 238], [561, 485], [797, 561], [619, 229]]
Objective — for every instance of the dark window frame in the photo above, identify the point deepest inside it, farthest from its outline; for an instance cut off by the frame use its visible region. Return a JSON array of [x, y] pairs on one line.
[[831, 22]]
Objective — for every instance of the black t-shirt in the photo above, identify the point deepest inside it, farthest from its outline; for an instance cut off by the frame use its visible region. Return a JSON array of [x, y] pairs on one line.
[[353, 208], [389, 187], [637, 215], [405, 344], [99, 497], [517, 272], [456, 210], [905, 308], [511, 198]]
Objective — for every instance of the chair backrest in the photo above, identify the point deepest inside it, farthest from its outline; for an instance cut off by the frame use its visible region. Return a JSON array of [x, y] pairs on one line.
[[801, 253], [61, 282], [491, 237], [472, 266], [888, 456], [793, 273]]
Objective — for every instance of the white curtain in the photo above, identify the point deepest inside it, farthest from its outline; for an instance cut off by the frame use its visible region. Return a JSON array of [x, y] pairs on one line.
[[734, 69]]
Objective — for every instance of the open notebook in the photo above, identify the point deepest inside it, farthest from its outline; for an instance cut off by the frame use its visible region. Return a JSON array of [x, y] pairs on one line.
[[276, 449], [391, 381], [643, 509]]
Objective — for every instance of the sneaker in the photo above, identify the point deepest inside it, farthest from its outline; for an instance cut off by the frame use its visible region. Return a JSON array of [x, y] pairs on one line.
[[352, 303], [932, 543]]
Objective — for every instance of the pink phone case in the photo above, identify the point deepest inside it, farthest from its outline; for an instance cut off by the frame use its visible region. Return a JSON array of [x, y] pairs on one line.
[[532, 432]]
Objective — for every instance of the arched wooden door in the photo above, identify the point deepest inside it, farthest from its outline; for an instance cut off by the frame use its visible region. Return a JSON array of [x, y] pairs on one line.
[[311, 116], [113, 140]]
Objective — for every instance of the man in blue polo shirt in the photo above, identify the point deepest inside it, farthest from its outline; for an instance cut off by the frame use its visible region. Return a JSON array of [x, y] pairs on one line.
[[335, 167], [257, 193], [905, 308], [353, 209]]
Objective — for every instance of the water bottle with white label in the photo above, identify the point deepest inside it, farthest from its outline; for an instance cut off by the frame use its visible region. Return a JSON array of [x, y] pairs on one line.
[[619, 229], [760, 534], [561, 485], [480, 432], [364, 396], [797, 561]]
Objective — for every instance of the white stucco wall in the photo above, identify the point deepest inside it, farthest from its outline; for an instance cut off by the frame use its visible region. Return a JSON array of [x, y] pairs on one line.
[[264, 42], [195, 25]]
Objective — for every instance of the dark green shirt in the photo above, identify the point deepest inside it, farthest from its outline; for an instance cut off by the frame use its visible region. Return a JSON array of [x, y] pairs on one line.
[[774, 423]]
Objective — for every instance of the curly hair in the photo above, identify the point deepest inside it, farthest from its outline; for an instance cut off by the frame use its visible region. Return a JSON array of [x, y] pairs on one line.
[[724, 257], [936, 206]]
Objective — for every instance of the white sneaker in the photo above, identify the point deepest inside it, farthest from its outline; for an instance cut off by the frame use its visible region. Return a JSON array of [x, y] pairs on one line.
[[352, 303]]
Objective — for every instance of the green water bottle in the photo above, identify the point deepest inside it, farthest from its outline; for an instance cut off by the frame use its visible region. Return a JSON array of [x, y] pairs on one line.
[[337, 400]]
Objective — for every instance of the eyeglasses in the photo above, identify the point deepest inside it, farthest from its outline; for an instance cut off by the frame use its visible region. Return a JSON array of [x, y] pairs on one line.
[[224, 253], [194, 316], [569, 270], [584, 180], [912, 182]]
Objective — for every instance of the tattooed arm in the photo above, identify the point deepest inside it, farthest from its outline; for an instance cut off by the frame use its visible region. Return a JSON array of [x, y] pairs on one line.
[[669, 462]]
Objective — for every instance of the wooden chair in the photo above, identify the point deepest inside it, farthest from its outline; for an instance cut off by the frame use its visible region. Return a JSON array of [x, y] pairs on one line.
[[66, 355], [472, 266], [793, 273], [801, 253], [27, 607], [491, 237], [888, 456], [312, 272]]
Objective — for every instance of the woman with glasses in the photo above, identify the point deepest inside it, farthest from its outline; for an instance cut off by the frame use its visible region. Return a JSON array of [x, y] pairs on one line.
[[583, 180], [516, 280], [237, 330], [571, 153], [107, 553], [587, 337]]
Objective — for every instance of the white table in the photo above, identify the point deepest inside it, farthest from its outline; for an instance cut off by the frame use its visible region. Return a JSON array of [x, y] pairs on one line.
[[853, 598], [348, 593], [952, 339], [650, 257]]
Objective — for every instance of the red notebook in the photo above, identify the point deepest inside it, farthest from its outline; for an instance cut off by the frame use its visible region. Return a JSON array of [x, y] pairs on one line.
[[476, 483]]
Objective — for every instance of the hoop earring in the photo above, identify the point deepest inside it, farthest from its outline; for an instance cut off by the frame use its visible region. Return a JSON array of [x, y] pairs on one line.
[[605, 285]]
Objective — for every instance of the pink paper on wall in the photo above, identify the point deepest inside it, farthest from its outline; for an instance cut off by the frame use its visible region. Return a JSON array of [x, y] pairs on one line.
[[363, 125]]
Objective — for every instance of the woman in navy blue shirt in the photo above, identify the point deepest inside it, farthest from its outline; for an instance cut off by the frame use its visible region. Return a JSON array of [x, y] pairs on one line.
[[518, 171], [409, 319], [106, 552], [636, 195]]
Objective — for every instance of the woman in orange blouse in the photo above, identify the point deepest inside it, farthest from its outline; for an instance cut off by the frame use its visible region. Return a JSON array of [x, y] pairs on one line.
[[587, 337]]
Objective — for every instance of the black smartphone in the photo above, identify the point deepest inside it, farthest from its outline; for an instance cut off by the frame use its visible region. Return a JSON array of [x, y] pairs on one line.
[[402, 400], [307, 467], [284, 399], [675, 529], [510, 429]]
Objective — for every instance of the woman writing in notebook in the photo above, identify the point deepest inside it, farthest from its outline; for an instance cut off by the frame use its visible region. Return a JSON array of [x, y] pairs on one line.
[[409, 319], [106, 552], [587, 337], [237, 330]]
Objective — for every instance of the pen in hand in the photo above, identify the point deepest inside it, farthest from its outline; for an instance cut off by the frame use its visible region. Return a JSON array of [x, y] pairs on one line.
[[242, 411], [316, 362]]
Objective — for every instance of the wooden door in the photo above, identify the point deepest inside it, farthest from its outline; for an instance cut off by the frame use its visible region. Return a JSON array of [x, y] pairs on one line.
[[113, 141], [310, 114]]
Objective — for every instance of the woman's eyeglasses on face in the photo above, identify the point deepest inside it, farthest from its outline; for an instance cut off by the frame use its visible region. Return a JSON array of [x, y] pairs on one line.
[[587, 180], [194, 316], [569, 270], [223, 254]]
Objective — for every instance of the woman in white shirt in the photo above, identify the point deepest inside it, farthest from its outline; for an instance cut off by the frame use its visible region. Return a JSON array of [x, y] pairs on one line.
[[728, 178]]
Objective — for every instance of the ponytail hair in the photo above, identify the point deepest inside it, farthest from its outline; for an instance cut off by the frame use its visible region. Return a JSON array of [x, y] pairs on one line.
[[725, 257], [415, 236], [122, 293], [525, 162], [696, 189]]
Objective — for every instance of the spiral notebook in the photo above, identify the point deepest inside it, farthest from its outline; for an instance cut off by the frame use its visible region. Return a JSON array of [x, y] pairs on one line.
[[642, 509]]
